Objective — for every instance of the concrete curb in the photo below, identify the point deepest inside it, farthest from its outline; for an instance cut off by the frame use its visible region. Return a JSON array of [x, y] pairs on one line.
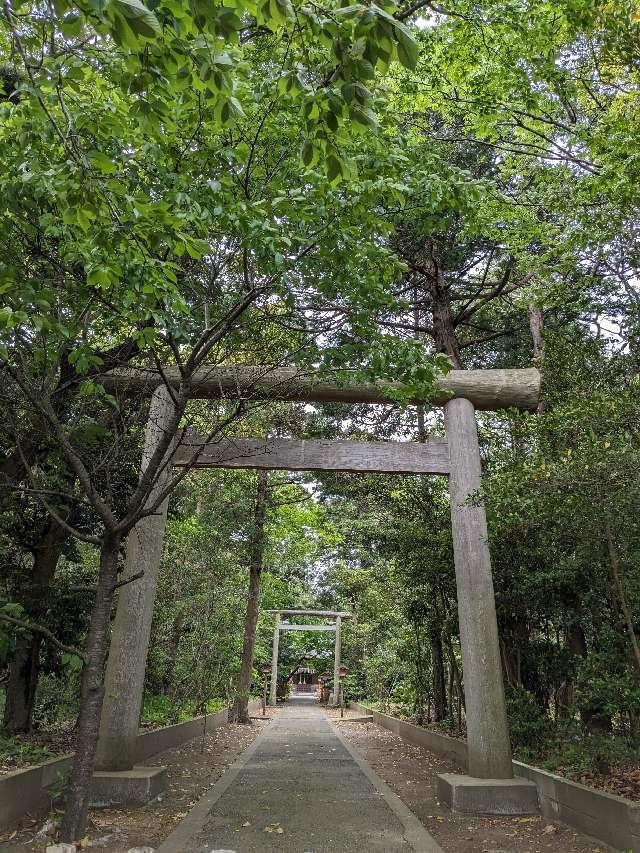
[[415, 832], [31, 791], [605, 817], [178, 840]]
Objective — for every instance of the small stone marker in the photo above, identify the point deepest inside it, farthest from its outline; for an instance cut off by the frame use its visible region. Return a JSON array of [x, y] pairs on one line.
[[61, 848]]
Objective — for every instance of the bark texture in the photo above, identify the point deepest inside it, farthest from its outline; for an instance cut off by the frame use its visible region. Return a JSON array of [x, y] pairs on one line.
[[444, 330], [91, 695], [239, 712], [438, 676], [488, 390], [487, 727]]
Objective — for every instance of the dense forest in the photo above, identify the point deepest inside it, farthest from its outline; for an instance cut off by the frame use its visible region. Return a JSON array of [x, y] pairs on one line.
[[379, 191]]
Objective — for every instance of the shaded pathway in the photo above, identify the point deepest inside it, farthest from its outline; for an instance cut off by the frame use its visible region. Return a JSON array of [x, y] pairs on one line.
[[299, 788]]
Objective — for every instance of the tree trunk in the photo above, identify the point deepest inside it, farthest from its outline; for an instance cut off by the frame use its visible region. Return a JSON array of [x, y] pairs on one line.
[[438, 676], [91, 694], [170, 680], [239, 712], [444, 330], [420, 692], [576, 642], [536, 325], [24, 667], [618, 584]]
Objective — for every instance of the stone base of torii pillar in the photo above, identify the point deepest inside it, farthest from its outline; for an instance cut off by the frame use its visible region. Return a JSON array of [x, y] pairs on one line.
[[470, 795]]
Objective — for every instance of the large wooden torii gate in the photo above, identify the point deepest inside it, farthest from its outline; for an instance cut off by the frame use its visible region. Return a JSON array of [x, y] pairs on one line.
[[460, 393]]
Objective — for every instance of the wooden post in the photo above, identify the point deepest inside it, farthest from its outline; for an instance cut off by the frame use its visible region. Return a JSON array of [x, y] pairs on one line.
[[487, 728], [336, 662], [124, 680], [273, 697]]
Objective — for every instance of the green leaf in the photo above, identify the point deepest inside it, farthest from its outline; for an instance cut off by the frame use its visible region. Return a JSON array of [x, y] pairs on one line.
[[334, 168], [363, 115], [101, 162], [72, 24], [142, 20], [407, 48], [307, 153]]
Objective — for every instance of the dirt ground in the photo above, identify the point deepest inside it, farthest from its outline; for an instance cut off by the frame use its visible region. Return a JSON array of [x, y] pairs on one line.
[[191, 769], [410, 772]]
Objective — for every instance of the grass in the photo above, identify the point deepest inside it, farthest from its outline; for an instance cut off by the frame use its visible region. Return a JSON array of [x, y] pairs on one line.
[[165, 711], [19, 751]]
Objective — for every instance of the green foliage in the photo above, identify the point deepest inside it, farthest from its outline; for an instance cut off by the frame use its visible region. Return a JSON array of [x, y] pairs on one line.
[[165, 711], [17, 752], [366, 181], [528, 724]]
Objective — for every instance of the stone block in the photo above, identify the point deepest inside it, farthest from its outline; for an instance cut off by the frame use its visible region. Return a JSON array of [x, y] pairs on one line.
[[469, 795], [127, 787], [61, 848]]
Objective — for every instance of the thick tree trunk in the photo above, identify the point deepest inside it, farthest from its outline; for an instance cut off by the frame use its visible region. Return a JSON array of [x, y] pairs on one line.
[[438, 676], [239, 712], [91, 695], [24, 667], [444, 331], [21, 685]]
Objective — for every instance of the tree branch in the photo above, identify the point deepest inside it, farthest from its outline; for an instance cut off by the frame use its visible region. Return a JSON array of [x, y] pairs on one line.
[[40, 629]]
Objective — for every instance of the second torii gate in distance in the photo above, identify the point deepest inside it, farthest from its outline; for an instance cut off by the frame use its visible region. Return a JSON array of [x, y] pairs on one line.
[[336, 626]]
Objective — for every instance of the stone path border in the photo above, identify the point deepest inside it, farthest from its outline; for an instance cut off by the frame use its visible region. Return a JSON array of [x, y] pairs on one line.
[[415, 833], [30, 791]]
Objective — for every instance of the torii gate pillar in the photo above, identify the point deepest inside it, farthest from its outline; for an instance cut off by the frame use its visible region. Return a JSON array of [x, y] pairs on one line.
[[487, 728], [490, 787], [124, 678]]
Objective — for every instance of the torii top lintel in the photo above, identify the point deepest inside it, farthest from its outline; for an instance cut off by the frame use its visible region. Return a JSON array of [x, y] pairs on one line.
[[488, 390], [329, 614]]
